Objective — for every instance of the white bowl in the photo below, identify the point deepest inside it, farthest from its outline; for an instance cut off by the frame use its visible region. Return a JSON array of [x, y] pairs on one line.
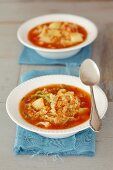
[[12, 103], [57, 53]]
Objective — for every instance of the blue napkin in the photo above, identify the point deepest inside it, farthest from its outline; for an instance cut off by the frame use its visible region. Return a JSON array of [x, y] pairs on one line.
[[29, 56], [26, 142]]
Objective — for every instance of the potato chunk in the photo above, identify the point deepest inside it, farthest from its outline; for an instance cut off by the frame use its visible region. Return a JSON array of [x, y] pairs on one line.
[[45, 38], [83, 110], [76, 37], [38, 104], [54, 32], [46, 124], [55, 25]]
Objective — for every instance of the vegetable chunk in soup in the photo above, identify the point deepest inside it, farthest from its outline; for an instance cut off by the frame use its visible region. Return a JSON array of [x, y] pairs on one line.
[[56, 35], [56, 106]]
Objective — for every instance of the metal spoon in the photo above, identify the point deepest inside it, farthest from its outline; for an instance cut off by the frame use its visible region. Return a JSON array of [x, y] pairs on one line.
[[90, 76]]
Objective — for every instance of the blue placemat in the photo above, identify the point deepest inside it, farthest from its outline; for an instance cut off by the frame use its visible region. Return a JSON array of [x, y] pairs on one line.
[[29, 56], [27, 142]]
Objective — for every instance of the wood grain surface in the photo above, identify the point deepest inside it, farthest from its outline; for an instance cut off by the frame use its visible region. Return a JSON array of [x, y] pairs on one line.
[[12, 14]]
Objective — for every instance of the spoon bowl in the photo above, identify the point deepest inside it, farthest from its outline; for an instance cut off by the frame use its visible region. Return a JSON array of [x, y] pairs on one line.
[[89, 73]]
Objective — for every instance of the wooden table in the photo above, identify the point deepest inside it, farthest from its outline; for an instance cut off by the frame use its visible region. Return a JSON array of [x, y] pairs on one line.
[[12, 14]]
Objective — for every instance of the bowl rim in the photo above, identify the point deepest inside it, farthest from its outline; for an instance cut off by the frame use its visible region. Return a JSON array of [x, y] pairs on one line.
[[42, 131], [81, 45]]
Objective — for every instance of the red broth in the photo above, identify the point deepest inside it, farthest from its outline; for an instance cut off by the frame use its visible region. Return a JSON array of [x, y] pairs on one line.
[[68, 97], [57, 35]]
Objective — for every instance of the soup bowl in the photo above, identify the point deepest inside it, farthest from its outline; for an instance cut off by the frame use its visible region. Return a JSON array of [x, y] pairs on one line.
[[89, 26], [14, 98]]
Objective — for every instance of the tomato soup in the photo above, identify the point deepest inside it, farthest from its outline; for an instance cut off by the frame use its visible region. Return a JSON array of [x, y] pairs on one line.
[[57, 35], [56, 106]]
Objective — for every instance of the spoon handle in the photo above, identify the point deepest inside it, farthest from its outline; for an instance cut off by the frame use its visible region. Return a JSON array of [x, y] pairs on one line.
[[95, 121]]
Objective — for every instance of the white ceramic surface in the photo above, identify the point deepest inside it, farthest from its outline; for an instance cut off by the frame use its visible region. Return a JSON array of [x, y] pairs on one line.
[[12, 103], [57, 53]]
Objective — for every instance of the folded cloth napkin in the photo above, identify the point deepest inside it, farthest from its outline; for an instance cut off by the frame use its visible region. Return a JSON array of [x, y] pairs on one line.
[[26, 142], [29, 56]]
